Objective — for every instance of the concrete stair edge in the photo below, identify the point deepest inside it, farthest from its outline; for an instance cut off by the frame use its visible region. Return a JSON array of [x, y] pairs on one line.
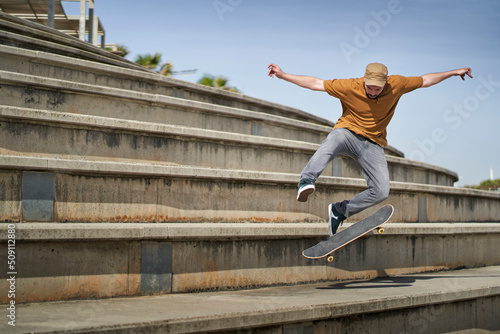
[[142, 169], [293, 307], [36, 115], [134, 74], [38, 34], [56, 231], [147, 127], [25, 79], [44, 57]]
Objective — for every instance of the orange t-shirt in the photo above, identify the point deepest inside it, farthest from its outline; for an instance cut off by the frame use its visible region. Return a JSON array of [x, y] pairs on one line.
[[369, 117]]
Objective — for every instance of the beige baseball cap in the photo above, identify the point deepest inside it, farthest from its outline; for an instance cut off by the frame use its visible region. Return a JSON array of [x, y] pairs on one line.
[[376, 74]]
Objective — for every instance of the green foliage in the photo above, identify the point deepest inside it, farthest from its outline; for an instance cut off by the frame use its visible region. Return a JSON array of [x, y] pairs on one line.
[[148, 60], [123, 49], [166, 69], [216, 82], [153, 62], [487, 185]]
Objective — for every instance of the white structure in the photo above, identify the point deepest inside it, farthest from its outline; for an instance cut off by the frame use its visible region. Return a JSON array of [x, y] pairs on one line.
[[51, 13]]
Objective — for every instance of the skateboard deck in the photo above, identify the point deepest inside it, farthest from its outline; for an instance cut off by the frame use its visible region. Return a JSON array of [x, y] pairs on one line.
[[357, 230]]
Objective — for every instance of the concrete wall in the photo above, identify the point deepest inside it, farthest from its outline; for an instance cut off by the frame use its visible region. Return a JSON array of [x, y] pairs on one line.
[[475, 315], [98, 73], [73, 261], [37, 132], [77, 98], [94, 74], [174, 152], [97, 191], [29, 35]]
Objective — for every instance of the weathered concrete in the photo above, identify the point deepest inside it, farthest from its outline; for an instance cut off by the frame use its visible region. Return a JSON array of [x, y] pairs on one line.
[[69, 97], [96, 73], [440, 302], [25, 34], [93, 190], [37, 132], [249, 115], [110, 260], [10, 195], [43, 96], [161, 144]]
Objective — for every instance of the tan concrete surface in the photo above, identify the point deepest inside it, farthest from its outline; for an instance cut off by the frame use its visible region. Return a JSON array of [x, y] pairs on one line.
[[60, 261], [222, 194], [436, 297], [35, 132]]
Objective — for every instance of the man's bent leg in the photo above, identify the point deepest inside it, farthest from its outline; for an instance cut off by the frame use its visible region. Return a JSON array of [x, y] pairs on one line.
[[376, 173], [334, 143]]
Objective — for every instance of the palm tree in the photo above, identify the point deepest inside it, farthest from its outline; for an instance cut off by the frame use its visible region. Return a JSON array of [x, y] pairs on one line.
[[149, 61], [123, 49], [120, 50], [152, 62], [217, 82], [166, 69]]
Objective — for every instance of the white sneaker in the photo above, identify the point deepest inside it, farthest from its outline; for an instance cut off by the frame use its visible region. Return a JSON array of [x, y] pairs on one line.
[[304, 189]]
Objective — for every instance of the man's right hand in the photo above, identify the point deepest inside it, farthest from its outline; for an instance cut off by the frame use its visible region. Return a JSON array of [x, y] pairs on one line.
[[312, 83], [274, 70]]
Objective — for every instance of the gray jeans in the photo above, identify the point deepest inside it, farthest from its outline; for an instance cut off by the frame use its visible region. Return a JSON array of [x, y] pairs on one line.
[[369, 156]]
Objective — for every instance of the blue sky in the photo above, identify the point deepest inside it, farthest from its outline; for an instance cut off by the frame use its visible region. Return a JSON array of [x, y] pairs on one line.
[[454, 124]]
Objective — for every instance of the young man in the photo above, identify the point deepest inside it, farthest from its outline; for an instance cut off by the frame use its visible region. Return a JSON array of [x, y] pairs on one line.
[[368, 105]]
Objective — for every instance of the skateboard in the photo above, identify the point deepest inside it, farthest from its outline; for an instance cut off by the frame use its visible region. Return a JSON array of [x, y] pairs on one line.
[[357, 230]]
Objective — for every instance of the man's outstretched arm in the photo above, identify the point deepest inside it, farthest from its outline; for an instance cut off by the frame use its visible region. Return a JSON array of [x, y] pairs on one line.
[[434, 78], [312, 83]]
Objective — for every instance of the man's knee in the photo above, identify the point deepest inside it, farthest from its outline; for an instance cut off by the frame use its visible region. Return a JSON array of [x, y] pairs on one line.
[[382, 192]]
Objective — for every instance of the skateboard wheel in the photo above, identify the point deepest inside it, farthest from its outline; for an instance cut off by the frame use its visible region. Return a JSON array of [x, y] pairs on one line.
[[381, 230], [330, 259]]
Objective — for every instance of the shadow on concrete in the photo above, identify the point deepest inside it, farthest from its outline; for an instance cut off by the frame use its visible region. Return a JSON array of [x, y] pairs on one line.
[[384, 282]]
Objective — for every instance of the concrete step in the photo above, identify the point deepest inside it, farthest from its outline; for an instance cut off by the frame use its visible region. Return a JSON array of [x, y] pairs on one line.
[[82, 260], [23, 34], [33, 132], [26, 91], [465, 301], [46, 64], [93, 190]]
